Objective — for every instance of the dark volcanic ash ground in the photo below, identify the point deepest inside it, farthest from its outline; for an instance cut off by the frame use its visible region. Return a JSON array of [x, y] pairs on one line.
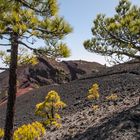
[[118, 120]]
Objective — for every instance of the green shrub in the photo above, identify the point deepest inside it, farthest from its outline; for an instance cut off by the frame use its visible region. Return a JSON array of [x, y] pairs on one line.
[[1, 133], [93, 94], [112, 97], [49, 109], [33, 131]]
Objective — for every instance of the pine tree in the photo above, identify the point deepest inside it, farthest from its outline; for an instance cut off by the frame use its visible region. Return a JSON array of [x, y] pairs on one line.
[[117, 37], [24, 57], [22, 23], [49, 109]]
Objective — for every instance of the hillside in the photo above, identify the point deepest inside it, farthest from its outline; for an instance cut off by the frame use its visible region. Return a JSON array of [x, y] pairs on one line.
[[47, 72], [118, 120]]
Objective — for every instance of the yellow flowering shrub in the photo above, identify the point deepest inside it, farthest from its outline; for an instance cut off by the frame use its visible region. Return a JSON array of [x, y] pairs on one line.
[[49, 109], [33, 131], [93, 92], [1, 133], [112, 97]]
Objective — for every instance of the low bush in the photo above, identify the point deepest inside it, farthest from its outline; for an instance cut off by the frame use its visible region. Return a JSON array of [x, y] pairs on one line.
[[33, 131], [93, 94], [112, 97], [49, 109], [95, 107], [1, 133]]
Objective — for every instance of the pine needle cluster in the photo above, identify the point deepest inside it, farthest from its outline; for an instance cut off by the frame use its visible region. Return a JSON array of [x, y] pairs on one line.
[[49, 109], [33, 131], [93, 92], [112, 97], [1, 133]]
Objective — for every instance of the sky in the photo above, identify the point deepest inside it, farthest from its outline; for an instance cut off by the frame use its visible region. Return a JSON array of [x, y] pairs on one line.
[[80, 15]]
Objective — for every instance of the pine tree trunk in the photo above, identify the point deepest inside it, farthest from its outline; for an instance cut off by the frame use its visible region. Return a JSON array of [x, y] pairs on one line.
[[9, 122]]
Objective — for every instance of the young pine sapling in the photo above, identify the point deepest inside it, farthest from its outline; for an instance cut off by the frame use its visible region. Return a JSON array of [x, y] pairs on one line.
[[93, 94], [49, 109]]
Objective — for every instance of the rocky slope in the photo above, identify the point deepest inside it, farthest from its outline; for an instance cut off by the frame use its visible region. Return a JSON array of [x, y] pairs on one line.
[[47, 72], [118, 120]]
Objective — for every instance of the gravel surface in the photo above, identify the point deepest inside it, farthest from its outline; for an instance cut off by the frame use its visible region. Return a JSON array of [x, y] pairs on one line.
[[118, 120]]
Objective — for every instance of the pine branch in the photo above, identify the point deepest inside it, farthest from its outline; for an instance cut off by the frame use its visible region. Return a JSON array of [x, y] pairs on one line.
[[5, 44], [4, 68]]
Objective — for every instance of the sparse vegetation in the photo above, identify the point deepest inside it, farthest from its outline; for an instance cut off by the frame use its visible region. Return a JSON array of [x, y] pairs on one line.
[[103, 101], [1, 133], [95, 107], [117, 37], [24, 23], [31, 131], [54, 51], [49, 109], [93, 94], [24, 57], [112, 97]]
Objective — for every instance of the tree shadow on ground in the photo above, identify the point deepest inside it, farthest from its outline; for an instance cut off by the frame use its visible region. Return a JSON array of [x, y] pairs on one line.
[[114, 127]]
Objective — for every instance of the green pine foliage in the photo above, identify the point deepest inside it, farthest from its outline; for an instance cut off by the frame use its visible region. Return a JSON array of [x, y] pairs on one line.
[[23, 23], [33, 131], [93, 94], [112, 97], [1, 133], [48, 109], [117, 37], [33, 20], [54, 50], [24, 57]]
